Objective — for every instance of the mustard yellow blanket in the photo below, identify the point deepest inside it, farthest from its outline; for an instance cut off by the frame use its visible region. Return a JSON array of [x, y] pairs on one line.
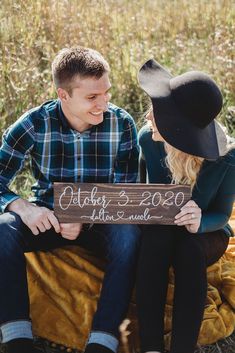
[[64, 288]]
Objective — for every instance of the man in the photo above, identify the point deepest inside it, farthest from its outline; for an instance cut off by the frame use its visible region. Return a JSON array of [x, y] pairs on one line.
[[79, 137]]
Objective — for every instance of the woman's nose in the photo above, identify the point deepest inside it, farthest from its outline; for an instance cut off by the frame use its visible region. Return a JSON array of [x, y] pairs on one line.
[[149, 115]]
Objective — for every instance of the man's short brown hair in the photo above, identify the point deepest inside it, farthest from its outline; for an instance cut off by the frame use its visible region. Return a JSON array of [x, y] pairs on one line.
[[77, 61]]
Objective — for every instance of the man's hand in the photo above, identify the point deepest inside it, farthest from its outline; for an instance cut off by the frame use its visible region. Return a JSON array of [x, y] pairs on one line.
[[37, 219], [189, 216], [70, 230]]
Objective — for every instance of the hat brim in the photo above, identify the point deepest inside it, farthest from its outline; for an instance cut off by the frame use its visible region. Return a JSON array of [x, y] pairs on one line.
[[172, 125], [154, 79]]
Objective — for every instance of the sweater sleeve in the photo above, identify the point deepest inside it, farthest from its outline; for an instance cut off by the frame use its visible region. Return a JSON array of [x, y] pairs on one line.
[[217, 216]]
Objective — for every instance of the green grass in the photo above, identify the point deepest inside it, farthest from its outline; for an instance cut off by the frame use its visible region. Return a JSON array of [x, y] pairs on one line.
[[181, 34]]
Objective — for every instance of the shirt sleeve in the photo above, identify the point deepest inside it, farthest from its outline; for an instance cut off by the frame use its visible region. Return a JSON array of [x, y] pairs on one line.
[[217, 216], [16, 144], [126, 163]]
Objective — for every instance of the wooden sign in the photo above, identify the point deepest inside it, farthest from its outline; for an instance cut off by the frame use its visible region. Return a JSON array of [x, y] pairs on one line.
[[119, 203]]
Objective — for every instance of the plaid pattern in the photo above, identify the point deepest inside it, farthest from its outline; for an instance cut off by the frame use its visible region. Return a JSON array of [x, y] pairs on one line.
[[106, 153]]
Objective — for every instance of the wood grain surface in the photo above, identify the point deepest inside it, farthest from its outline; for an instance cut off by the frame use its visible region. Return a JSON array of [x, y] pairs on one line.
[[119, 203]]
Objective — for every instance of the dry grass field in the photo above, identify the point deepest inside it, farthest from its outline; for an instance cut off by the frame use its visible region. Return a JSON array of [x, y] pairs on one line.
[[181, 34]]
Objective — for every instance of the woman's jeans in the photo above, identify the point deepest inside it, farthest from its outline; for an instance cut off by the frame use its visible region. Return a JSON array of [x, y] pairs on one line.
[[189, 254], [117, 243]]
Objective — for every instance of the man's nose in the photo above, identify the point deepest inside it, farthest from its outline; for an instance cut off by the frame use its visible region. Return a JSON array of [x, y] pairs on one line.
[[103, 102]]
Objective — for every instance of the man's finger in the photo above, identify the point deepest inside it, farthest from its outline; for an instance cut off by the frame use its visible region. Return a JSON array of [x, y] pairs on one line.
[[71, 226], [54, 221], [69, 237], [41, 227], [34, 230], [65, 226], [47, 224]]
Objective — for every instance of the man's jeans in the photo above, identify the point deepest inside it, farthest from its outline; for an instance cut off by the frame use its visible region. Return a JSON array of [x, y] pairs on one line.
[[119, 244]]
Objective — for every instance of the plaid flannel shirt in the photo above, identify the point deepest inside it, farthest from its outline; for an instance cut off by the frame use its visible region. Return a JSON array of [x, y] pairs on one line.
[[105, 153]]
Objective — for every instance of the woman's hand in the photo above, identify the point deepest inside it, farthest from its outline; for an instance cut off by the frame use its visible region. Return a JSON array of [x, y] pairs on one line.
[[190, 216]]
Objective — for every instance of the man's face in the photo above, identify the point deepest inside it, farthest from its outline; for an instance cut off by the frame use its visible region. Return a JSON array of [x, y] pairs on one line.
[[88, 101]]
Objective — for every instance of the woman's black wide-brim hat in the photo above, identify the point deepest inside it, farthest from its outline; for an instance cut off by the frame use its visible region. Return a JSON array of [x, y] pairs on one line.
[[184, 109]]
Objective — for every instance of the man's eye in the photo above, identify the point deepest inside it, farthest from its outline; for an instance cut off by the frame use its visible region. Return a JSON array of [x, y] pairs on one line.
[[91, 97]]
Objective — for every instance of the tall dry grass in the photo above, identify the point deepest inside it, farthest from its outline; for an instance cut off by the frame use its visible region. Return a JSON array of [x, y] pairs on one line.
[[181, 34]]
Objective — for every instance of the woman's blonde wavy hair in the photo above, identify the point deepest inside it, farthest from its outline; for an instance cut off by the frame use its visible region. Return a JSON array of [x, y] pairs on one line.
[[183, 167]]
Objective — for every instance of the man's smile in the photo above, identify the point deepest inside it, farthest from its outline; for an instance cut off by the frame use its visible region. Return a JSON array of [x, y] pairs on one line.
[[97, 113]]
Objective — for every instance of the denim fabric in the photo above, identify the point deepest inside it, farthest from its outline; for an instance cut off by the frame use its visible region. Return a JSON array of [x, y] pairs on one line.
[[16, 329], [104, 339], [119, 244], [120, 248]]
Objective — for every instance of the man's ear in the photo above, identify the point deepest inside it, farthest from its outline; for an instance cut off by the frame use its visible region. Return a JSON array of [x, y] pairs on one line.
[[62, 94]]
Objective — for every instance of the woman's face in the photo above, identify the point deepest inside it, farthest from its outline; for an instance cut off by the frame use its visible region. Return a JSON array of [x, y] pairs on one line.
[[155, 133]]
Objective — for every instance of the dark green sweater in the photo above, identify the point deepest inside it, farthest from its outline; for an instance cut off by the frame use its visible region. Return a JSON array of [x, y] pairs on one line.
[[214, 191]]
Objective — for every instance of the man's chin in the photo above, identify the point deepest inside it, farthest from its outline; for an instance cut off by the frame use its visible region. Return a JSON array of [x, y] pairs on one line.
[[97, 120]]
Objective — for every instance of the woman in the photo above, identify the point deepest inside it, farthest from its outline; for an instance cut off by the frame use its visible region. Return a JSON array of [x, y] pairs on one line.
[[183, 144]]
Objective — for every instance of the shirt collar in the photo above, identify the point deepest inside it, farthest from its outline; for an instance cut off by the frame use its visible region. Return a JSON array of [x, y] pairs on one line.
[[62, 117]]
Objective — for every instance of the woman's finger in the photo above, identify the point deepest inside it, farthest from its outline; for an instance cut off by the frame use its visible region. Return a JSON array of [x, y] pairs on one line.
[[188, 210], [189, 218], [187, 222], [190, 203]]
